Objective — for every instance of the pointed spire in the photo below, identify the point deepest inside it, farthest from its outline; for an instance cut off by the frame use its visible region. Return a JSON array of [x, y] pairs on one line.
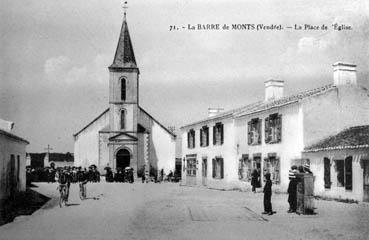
[[124, 55]]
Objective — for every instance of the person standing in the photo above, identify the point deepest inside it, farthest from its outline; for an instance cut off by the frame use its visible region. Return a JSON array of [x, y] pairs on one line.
[[292, 190], [254, 180], [268, 195]]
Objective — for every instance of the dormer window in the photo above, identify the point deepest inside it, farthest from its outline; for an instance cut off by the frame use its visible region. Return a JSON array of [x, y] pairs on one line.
[[123, 89]]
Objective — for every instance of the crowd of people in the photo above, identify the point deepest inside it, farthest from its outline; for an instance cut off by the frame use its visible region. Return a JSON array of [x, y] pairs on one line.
[[120, 175], [47, 174]]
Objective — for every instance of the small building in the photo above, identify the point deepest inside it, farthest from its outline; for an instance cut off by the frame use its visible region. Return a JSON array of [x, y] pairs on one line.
[[12, 160], [41, 160], [222, 150], [340, 164]]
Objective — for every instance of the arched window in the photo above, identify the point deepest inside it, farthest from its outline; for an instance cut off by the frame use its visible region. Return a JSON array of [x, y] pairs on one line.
[[122, 119], [123, 89]]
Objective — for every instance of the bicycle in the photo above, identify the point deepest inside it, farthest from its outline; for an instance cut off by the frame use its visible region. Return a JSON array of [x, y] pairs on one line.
[[82, 191], [63, 195]]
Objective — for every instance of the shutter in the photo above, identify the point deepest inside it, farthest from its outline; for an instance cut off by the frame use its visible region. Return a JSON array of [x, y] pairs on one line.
[[214, 167], [249, 133], [221, 134], [221, 168], [267, 129], [194, 138], [188, 139], [214, 139], [201, 140], [279, 128], [207, 136], [258, 128]]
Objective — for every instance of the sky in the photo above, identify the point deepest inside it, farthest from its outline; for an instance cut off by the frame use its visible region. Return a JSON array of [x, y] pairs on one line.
[[54, 57]]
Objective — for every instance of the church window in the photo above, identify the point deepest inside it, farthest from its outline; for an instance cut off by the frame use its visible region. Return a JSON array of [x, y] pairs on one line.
[[204, 136], [273, 128], [254, 131], [191, 139], [218, 134], [123, 89], [122, 119]]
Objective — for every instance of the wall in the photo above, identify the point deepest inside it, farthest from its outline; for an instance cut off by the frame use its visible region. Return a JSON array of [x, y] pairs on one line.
[[10, 146], [227, 151], [161, 144], [317, 167], [330, 113], [86, 143], [289, 148]]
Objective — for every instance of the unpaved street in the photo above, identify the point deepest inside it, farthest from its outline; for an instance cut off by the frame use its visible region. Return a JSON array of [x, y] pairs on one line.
[[170, 211]]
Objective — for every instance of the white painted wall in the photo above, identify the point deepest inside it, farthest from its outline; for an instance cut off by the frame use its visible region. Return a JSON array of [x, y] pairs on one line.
[[289, 148], [9, 146], [164, 147], [86, 143], [317, 167], [227, 151]]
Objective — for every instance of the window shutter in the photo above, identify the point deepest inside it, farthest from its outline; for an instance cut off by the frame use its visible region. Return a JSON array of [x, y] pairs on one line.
[[194, 138], [207, 136], [214, 138], [279, 128], [214, 167], [221, 168], [258, 127], [249, 133], [267, 129], [221, 134], [201, 140], [188, 139]]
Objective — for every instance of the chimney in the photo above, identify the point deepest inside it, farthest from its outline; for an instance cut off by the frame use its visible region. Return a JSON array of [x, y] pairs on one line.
[[6, 125], [214, 111], [344, 74], [273, 89]]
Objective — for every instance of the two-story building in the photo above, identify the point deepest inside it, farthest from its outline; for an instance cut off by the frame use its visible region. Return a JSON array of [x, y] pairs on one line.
[[270, 135]]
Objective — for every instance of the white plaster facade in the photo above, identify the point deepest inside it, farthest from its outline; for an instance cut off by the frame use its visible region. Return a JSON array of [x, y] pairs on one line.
[[12, 164], [125, 134], [307, 117]]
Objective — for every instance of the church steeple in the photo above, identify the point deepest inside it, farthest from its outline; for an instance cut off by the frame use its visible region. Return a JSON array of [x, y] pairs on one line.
[[124, 55]]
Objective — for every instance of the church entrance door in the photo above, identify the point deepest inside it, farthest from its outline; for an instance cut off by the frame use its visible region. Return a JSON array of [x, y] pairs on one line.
[[123, 158]]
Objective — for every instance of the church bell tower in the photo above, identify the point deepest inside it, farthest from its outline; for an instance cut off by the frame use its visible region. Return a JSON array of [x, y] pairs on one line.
[[123, 85], [123, 103]]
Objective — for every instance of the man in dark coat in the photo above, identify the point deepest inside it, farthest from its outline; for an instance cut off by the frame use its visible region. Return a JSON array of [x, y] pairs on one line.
[[254, 180], [292, 190], [268, 195]]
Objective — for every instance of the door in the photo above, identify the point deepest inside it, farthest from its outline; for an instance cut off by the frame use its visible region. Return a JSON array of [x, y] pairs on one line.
[[204, 171], [191, 169], [123, 159], [366, 181]]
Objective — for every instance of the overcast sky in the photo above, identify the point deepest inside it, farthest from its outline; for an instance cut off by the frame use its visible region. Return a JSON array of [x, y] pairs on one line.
[[54, 57]]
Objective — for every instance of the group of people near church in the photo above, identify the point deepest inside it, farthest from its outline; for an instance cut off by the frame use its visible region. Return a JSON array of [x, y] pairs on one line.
[[120, 175], [295, 178]]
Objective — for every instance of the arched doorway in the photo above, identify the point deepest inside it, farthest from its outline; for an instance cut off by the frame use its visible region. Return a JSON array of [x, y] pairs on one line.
[[123, 158]]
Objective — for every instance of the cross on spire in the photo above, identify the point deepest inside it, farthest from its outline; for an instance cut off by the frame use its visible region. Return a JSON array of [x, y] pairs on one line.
[[48, 148], [125, 8]]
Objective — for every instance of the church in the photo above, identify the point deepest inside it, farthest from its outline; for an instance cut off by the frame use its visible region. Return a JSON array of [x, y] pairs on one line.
[[125, 135]]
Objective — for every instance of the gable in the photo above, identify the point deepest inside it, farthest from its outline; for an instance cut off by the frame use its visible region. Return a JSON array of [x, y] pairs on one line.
[[123, 137], [144, 119], [100, 117]]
